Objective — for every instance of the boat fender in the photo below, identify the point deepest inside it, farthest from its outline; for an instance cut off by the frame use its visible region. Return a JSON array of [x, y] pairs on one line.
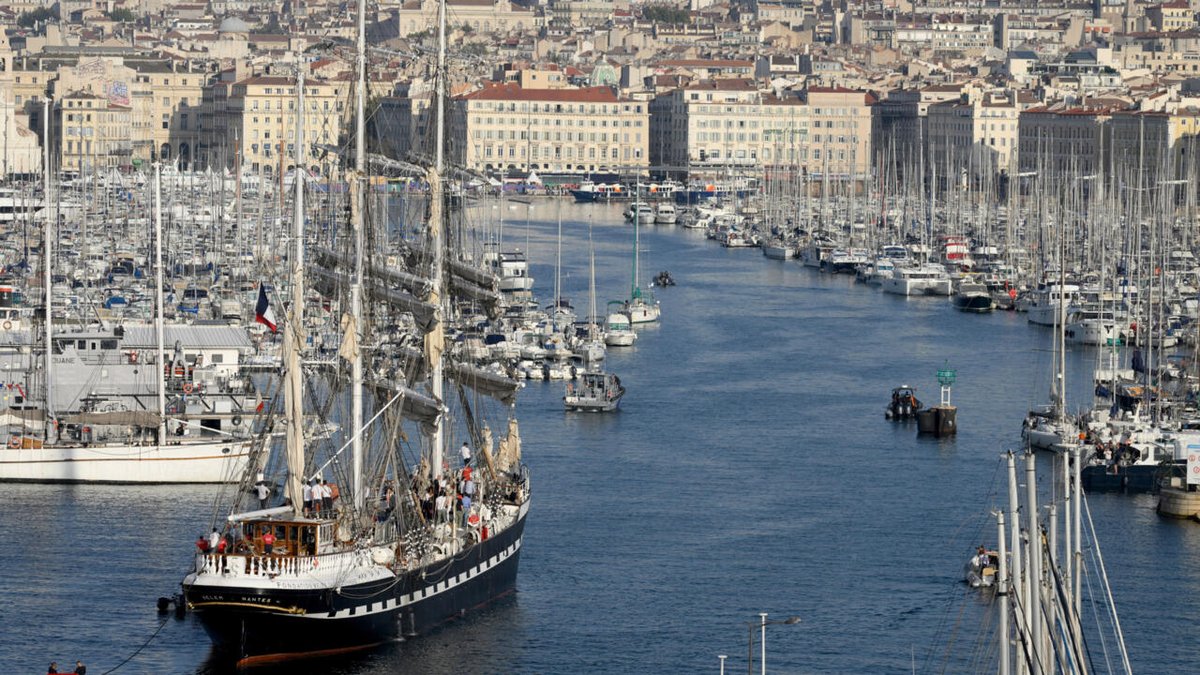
[[188, 388]]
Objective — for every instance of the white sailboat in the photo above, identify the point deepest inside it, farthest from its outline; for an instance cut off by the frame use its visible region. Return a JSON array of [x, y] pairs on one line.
[[118, 446], [641, 306]]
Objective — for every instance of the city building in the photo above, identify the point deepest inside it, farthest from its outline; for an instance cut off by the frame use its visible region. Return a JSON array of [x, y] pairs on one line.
[[713, 125], [978, 133], [553, 131]]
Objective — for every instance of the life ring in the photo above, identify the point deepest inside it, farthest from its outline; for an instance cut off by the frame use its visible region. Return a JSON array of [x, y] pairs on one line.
[[7, 325], [237, 421], [14, 442], [473, 520], [188, 388]]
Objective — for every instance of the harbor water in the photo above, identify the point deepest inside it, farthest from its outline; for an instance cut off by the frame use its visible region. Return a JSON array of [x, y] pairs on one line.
[[750, 469]]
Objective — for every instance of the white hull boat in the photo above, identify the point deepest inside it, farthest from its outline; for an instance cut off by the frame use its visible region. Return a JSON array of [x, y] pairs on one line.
[[207, 461]]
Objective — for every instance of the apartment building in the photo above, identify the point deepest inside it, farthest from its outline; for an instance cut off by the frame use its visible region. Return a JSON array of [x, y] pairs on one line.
[[1057, 139], [556, 131], [901, 121], [259, 121], [979, 132], [1154, 144], [709, 126], [483, 16], [92, 131]]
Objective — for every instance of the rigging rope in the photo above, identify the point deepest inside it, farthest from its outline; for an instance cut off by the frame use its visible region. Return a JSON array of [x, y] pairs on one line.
[[139, 649]]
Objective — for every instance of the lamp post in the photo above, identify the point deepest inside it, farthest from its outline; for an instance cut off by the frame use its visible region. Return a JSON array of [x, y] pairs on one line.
[[762, 624]]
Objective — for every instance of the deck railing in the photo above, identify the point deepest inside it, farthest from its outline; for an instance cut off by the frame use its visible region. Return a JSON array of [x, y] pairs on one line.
[[252, 565]]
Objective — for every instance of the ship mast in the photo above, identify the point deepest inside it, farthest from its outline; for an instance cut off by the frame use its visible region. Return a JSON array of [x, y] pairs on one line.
[[47, 244], [158, 306], [293, 332], [434, 339], [356, 213]]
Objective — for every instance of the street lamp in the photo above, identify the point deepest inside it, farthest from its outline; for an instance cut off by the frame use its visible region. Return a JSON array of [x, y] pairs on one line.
[[762, 623]]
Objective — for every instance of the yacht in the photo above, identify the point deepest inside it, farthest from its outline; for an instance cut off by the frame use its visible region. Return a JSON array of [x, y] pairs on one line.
[[973, 296], [1089, 325], [665, 214], [926, 279], [512, 270], [618, 329]]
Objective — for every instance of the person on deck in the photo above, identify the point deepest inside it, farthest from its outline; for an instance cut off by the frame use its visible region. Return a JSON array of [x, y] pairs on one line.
[[308, 497], [53, 669], [268, 541], [263, 492], [465, 453], [326, 497], [80, 669], [202, 544], [213, 539]]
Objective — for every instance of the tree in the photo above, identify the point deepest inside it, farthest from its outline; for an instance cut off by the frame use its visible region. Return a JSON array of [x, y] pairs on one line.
[[664, 13], [122, 15], [32, 18]]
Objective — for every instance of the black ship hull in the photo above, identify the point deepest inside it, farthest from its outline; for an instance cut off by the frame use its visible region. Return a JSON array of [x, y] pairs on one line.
[[256, 626], [974, 303], [1130, 479]]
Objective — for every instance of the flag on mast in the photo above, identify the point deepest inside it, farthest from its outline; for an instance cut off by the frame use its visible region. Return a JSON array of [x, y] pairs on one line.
[[262, 311]]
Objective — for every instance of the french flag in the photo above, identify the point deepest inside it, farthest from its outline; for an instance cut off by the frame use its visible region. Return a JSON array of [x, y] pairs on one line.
[[262, 311]]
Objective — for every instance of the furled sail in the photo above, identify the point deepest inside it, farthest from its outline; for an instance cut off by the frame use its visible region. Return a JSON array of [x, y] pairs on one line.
[[499, 387], [413, 404], [509, 455], [327, 281], [417, 285]]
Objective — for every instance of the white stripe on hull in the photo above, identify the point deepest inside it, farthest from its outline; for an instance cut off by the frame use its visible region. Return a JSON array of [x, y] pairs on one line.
[[208, 462]]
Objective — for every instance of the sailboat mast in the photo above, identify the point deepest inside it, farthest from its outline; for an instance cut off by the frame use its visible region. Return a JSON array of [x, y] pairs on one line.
[[360, 165], [293, 334], [637, 216], [47, 243], [158, 307], [437, 234]]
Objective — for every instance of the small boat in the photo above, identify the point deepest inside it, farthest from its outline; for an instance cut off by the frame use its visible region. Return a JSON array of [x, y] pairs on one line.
[[664, 278], [618, 329], [665, 214], [980, 570], [594, 391], [904, 404], [640, 212], [973, 296]]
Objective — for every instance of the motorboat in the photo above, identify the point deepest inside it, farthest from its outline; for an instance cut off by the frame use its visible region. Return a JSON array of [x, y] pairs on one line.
[[594, 391], [665, 214], [618, 329], [640, 211], [904, 404], [845, 260], [1091, 326], [928, 279], [973, 296]]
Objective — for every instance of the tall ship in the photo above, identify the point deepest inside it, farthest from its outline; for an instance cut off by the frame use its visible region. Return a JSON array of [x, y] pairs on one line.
[[416, 534]]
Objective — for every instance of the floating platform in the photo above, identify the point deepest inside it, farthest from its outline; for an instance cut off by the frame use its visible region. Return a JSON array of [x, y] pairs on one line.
[[1177, 502], [938, 421]]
